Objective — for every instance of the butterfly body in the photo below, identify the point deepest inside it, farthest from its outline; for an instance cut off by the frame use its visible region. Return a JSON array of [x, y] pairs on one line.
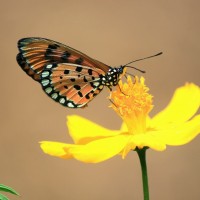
[[66, 75]]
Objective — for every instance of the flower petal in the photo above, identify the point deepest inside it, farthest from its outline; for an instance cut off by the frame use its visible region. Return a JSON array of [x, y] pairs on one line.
[[100, 150], [183, 133], [183, 106], [123, 127], [149, 139], [83, 131], [57, 149]]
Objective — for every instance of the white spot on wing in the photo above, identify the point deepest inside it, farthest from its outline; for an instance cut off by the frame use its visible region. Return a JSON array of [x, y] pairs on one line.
[[96, 84], [45, 82], [49, 66], [54, 96], [45, 74], [70, 105], [48, 90], [62, 100]]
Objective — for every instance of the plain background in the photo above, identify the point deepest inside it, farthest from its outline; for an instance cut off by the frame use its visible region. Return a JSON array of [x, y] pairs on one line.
[[114, 32]]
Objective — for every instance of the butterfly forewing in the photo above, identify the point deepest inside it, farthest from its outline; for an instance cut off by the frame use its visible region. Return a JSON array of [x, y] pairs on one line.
[[71, 85], [36, 53]]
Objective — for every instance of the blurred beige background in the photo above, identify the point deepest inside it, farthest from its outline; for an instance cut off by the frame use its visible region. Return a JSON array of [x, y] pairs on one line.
[[114, 32]]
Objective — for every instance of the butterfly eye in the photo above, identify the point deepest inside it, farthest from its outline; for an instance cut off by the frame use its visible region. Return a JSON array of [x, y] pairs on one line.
[[121, 69]]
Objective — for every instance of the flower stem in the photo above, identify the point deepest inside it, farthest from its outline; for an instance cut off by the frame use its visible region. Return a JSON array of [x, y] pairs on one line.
[[142, 156]]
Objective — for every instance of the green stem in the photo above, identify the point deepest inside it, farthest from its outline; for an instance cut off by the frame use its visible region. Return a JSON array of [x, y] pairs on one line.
[[142, 156]]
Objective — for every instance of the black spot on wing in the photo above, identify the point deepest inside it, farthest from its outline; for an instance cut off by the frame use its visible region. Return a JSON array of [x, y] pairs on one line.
[[85, 80], [72, 79], [87, 96], [79, 69], [95, 94], [50, 50], [48, 53], [66, 71], [77, 87], [79, 61], [90, 71], [65, 55], [54, 65], [53, 46], [92, 84], [80, 94]]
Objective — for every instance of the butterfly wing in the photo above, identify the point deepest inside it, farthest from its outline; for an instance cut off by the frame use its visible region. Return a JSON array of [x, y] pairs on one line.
[[71, 85], [35, 53]]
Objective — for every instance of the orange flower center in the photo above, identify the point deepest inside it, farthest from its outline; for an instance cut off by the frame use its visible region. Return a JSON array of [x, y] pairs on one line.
[[132, 102]]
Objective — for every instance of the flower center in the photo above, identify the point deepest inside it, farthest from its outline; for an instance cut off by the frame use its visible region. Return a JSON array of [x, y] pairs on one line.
[[132, 102]]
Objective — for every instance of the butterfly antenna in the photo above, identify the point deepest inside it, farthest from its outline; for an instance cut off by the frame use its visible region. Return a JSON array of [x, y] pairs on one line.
[[129, 74], [142, 71], [143, 59]]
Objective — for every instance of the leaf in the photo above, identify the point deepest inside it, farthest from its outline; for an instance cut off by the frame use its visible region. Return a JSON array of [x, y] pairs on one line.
[[2, 197], [7, 189]]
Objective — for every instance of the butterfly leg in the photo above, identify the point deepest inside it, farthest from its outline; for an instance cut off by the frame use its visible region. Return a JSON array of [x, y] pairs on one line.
[[112, 101], [110, 88], [132, 76], [121, 90]]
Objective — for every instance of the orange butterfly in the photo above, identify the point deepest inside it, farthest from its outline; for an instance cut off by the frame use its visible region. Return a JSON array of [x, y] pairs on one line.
[[67, 76]]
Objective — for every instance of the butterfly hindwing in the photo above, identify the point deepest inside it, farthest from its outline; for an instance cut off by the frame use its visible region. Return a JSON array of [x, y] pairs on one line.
[[71, 85], [36, 53]]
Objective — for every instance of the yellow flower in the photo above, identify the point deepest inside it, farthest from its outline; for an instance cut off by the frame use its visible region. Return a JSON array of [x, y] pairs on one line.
[[175, 125]]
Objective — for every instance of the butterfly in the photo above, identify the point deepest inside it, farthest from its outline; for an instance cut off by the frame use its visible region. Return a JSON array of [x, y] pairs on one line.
[[66, 75]]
